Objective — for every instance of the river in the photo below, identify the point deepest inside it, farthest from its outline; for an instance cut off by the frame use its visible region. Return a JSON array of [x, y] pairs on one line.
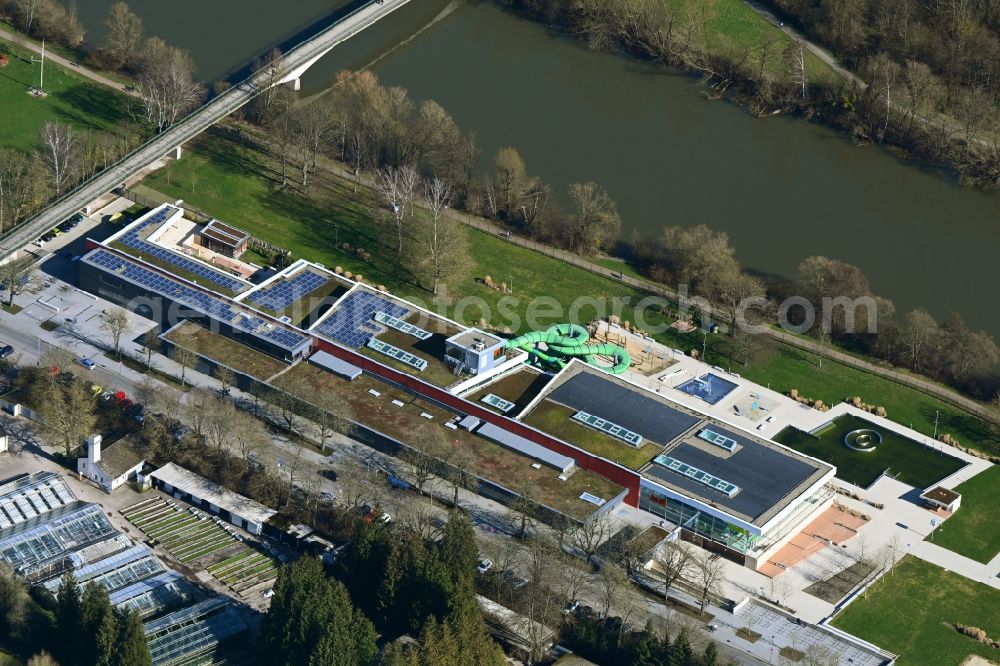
[[782, 188]]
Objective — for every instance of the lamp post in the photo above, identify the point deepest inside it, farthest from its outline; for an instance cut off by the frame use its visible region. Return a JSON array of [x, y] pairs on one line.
[[41, 71]]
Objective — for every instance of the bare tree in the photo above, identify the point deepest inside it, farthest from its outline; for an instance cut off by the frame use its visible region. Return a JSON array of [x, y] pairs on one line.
[[68, 415], [675, 562], [709, 576], [250, 439], [200, 403], [919, 331], [225, 376], [124, 33], [444, 240], [185, 358], [27, 10], [221, 423], [795, 65], [166, 85], [429, 450], [333, 417], [522, 507], [115, 322], [589, 536], [594, 221], [19, 185], [459, 471], [397, 187], [151, 344], [614, 587], [17, 276], [268, 71], [60, 154]]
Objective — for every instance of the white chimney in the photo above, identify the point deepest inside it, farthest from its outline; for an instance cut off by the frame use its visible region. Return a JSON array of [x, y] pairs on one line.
[[94, 449]]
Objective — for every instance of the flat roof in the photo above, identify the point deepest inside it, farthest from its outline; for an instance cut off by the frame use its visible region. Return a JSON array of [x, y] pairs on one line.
[[224, 233], [941, 494], [212, 304], [769, 475], [328, 361], [473, 335], [595, 393], [526, 447], [198, 486]]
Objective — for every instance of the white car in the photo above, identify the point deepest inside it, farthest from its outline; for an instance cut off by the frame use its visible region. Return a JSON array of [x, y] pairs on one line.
[[484, 566]]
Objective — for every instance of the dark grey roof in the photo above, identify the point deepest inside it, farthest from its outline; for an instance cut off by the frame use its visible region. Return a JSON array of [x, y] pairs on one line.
[[120, 457], [627, 407], [765, 474]]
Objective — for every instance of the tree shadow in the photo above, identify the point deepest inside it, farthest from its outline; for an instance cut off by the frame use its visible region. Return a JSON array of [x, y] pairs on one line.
[[88, 105]]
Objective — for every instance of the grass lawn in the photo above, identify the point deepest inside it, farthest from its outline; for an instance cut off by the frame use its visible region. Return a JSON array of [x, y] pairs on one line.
[[555, 419], [732, 26], [912, 612], [71, 99], [909, 461], [228, 184], [974, 530], [226, 351], [783, 368]]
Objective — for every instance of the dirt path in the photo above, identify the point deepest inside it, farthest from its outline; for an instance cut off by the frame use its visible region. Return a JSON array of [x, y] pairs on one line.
[[24, 42]]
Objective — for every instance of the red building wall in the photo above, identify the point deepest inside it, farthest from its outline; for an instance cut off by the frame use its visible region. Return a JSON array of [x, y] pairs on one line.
[[609, 470]]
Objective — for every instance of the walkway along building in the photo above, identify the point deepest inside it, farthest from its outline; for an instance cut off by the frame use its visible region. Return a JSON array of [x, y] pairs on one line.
[[716, 484]]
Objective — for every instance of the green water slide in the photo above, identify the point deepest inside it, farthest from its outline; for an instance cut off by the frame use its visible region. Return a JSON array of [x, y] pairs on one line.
[[566, 341]]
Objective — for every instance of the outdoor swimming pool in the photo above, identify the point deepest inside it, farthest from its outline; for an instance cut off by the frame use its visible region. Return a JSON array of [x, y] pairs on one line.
[[710, 388]]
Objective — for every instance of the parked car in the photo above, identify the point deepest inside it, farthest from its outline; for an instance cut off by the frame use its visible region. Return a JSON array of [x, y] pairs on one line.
[[96, 389], [67, 377], [125, 403], [87, 363], [6, 351], [328, 474], [484, 566], [571, 607]]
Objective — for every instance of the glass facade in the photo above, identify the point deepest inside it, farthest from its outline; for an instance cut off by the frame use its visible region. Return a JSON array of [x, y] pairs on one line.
[[696, 521]]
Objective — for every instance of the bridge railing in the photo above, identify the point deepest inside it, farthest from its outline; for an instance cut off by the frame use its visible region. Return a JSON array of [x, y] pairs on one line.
[[233, 91]]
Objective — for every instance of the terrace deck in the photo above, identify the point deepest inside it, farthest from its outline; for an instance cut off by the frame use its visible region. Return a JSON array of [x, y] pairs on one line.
[[490, 461]]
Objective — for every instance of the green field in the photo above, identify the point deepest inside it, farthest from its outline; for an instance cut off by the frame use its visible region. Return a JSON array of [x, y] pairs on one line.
[[731, 26], [71, 99], [974, 530], [912, 612], [227, 184], [905, 459], [784, 368]]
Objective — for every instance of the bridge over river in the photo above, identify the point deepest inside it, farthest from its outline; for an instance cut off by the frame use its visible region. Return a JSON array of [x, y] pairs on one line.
[[289, 69]]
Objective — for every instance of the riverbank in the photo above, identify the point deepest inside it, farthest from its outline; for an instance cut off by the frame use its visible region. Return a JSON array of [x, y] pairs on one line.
[[238, 183]]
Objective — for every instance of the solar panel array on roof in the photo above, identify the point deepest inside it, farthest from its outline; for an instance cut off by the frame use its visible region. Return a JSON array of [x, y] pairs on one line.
[[609, 428], [727, 443], [494, 400], [674, 465], [526, 447], [403, 357], [402, 326], [132, 238], [280, 295], [352, 323], [218, 308]]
